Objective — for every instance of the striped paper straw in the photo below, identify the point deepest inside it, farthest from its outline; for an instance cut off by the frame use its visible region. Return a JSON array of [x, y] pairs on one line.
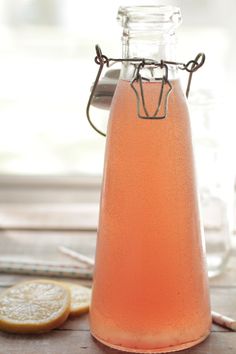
[[223, 321], [45, 269], [85, 260]]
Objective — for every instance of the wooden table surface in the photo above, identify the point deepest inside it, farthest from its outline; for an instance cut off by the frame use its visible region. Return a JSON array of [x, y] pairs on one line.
[[74, 336]]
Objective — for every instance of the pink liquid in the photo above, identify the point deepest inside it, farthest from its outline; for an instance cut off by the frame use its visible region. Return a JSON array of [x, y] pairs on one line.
[[150, 290]]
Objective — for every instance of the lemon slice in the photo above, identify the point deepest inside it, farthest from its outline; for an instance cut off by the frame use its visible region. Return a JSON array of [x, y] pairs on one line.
[[80, 299], [34, 306]]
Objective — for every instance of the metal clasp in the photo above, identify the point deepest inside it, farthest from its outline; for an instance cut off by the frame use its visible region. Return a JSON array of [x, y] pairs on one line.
[[163, 96], [161, 110]]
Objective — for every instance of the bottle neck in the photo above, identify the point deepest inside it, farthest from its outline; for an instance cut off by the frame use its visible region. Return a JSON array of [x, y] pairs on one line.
[[159, 47], [149, 33]]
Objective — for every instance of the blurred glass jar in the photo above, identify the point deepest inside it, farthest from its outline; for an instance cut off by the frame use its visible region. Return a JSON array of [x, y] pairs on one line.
[[213, 148]]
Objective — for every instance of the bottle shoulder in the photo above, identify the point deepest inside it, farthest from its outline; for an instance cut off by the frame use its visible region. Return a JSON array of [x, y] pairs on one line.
[[128, 104]]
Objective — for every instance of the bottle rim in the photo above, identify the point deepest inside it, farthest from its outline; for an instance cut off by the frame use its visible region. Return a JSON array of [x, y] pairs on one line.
[[152, 14]]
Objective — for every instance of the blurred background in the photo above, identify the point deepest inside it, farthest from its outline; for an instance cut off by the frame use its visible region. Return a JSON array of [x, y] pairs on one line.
[[47, 69], [48, 152]]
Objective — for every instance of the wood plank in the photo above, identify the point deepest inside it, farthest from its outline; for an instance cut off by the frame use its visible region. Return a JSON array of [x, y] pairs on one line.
[[80, 342], [224, 301], [49, 189], [77, 323], [41, 216], [42, 244]]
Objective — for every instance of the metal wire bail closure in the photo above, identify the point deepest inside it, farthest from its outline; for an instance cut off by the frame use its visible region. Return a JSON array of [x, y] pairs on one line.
[[191, 67], [101, 60], [163, 98]]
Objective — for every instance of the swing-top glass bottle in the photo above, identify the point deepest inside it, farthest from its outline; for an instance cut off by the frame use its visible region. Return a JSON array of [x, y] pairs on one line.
[[150, 291]]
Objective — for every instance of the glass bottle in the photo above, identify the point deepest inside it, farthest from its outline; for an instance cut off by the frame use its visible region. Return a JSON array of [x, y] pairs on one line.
[[215, 175], [150, 291]]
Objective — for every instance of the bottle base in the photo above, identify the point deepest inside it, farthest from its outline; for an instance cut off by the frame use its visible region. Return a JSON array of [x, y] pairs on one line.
[[169, 349]]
